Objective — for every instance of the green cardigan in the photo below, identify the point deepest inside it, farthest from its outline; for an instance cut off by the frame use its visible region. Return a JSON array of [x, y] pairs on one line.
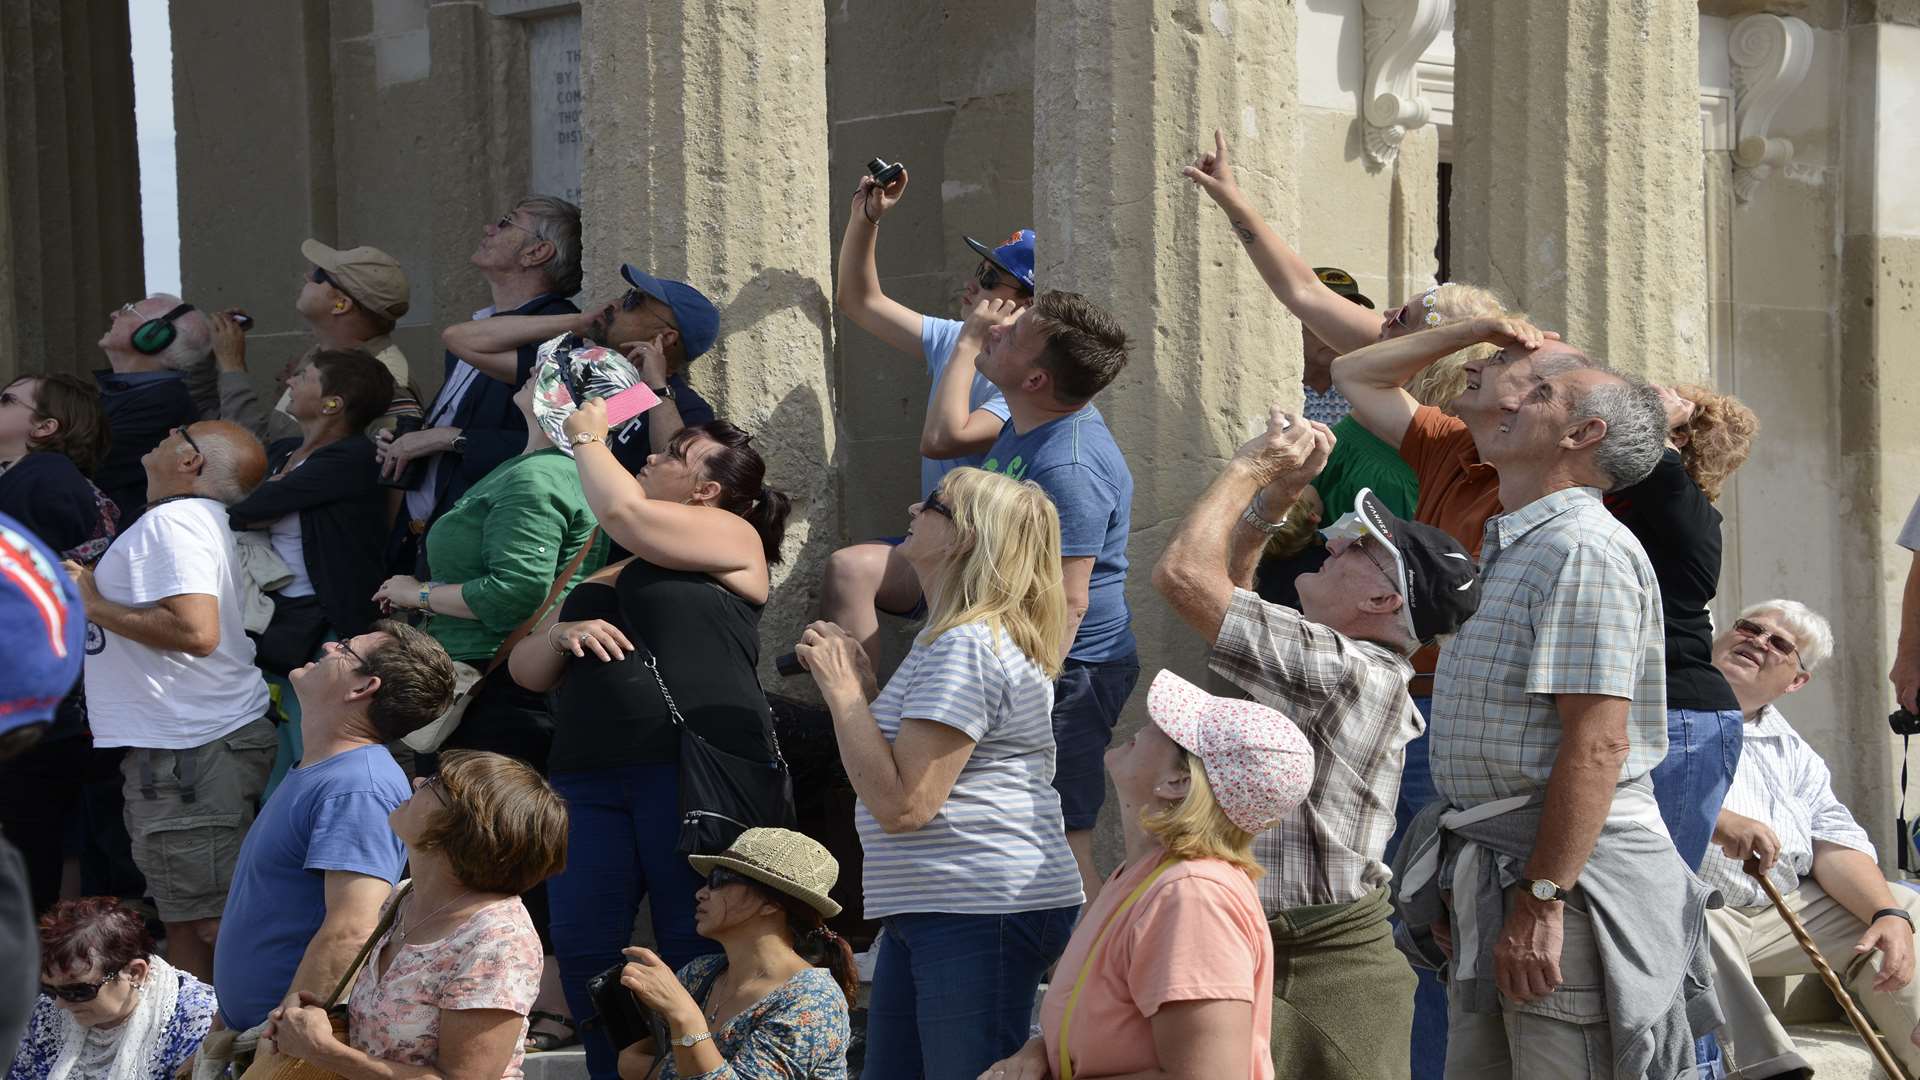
[[504, 542]]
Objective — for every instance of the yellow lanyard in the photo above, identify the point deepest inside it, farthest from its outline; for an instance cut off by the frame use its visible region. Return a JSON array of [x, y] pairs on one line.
[[1086, 966]]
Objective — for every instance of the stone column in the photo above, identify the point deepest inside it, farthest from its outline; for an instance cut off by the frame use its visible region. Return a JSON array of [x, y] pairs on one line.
[[706, 160], [1577, 173], [1879, 398], [70, 197], [1124, 96]]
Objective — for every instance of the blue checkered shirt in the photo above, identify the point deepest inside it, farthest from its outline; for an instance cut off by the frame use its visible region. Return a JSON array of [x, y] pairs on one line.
[[1568, 605], [1326, 406]]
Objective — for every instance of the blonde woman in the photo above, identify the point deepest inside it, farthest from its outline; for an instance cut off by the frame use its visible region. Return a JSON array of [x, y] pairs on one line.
[[1171, 972], [967, 864]]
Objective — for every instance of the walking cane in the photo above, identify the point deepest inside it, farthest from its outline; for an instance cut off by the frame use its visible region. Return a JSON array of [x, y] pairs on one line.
[[1839, 989]]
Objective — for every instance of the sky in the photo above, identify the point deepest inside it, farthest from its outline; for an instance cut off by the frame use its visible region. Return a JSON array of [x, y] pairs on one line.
[[153, 123]]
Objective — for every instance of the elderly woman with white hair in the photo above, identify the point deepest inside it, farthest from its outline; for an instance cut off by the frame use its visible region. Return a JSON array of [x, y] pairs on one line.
[[1781, 811], [1170, 972]]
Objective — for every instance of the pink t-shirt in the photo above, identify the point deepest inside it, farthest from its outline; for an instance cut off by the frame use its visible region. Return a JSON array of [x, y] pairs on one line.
[[491, 961], [1197, 934]]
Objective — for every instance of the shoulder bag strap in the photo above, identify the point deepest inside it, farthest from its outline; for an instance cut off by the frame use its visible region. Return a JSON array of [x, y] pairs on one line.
[[380, 931], [673, 710], [1065, 1071], [520, 632]]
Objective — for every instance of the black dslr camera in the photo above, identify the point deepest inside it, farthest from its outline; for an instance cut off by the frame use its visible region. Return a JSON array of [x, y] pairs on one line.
[[1904, 723]]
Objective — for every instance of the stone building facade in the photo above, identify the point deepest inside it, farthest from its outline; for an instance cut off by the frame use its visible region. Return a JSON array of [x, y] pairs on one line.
[[1717, 190]]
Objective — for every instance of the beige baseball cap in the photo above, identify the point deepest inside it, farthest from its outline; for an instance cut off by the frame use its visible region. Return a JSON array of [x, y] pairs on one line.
[[371, 276]]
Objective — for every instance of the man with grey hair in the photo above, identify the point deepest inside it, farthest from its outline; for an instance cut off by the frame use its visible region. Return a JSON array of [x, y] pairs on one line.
[[170, 676], [1546, 848], [530, 258], [149, 344], [1781, 811]]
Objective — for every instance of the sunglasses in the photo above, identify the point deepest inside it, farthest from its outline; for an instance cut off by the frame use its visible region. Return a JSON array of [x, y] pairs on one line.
[[721, 877], [988, 276], [79, 992], [932, 504], [319, 277], [1778, 644]]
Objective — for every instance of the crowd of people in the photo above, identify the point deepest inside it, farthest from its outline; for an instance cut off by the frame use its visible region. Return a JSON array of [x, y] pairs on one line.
[[372, 718]]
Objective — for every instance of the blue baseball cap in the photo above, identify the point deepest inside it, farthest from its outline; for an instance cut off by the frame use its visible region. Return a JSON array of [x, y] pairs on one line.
[[1015, 256], [42, 629], [693, 314]]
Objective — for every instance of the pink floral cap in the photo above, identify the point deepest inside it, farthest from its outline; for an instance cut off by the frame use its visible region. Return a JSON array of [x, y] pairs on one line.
[[1259, 765]]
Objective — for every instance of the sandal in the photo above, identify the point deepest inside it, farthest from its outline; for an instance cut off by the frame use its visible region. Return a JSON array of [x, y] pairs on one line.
[[542, 1041]]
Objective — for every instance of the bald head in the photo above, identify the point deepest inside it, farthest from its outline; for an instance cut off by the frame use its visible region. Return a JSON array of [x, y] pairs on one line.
[[210, 458]]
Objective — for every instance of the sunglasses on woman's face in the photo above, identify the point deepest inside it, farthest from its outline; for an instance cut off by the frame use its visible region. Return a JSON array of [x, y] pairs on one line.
[[933, 505], [721, 877], [78, 993]]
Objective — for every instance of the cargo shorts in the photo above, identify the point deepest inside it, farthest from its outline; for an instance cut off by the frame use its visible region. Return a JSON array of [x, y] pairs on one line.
[[188, 810]]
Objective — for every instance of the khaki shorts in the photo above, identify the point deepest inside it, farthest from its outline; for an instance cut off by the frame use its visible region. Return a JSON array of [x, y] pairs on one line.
[[188, 810]]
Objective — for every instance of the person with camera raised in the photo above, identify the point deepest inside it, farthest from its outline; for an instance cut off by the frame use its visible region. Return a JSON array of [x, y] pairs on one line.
[[866, 578], [1781, 810]]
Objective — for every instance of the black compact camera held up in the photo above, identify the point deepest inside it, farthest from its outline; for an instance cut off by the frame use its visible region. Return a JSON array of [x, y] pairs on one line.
[[883, 173]]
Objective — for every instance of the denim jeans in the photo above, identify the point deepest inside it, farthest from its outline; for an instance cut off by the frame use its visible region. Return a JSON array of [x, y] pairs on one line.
[[622, 824], [1690, 783], [1429, 1051], [952, 994], [1087, 699]]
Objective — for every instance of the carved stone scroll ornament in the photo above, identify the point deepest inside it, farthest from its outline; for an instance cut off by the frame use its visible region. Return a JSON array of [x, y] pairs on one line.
[[1396, 33], [1770, 54]]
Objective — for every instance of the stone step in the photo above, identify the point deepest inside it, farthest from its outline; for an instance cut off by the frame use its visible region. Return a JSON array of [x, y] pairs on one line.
[[567, 1064], [1835, 1051]]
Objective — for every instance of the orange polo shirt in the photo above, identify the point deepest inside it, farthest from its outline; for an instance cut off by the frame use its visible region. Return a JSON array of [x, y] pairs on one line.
[[1458, 493]]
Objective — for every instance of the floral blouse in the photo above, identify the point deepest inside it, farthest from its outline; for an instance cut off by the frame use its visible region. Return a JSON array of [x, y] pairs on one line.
[[192, 1016], [797, 1032], [491, 961]]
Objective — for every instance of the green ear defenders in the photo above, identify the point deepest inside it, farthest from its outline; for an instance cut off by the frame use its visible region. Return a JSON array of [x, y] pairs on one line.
[[155, 335]]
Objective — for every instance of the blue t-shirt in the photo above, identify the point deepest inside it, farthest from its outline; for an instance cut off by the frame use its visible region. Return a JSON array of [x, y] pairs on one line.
[[327, 816], [1075, 460], [936, 340]]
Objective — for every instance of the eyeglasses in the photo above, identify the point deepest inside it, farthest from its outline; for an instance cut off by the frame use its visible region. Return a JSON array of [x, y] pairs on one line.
[[1366, 549], [1776, 643], [721, 877], [633, 299], [932, 504], [79, 992], [194, 446], [8, 397], [359, 662], [436, 784], [319, 277]]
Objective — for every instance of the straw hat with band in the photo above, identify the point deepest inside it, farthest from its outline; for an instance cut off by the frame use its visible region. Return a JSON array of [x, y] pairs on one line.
[[782, 860]]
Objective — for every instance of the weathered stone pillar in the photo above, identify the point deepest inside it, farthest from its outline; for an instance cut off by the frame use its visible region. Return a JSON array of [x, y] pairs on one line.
[[1577, 172], [1124, 96], [69, 180], [1879, 398], [706, 160]]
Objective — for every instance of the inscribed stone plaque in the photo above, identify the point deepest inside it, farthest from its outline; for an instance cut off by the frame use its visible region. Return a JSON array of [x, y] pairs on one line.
[[553, 66]]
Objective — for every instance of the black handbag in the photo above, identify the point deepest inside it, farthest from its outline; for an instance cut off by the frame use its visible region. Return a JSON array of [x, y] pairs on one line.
[[721, 794], [625, 1021]]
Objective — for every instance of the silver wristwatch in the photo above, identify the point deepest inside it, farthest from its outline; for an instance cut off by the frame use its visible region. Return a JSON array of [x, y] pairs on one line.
[[694, 1039], [1252, 516]]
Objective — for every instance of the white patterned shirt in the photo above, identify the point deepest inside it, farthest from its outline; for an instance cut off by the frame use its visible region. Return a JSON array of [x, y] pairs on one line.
[[1568, 605], [1781, 781]]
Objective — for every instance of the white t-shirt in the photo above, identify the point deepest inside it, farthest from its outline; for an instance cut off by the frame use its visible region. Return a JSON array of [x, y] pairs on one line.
[[998, 844], [162, 699], [291, 545]]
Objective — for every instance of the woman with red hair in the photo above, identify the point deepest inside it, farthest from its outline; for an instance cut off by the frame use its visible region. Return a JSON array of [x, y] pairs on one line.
[[109, 1008]]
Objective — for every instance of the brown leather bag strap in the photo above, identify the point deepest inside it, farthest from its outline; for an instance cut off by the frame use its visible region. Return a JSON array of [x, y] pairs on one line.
[[380, 931], [520, 632]]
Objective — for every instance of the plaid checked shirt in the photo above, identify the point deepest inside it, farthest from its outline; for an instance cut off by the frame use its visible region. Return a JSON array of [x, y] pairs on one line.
[[1568, 605], [1350, 699]]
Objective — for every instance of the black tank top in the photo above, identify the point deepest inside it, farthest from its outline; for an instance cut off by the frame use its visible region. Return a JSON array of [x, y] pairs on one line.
[[707, 640]]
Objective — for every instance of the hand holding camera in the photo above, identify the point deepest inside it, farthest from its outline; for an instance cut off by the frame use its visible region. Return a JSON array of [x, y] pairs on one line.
[[230, 338], [879, 189]]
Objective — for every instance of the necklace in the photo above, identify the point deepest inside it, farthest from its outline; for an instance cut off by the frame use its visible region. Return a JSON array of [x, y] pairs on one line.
[[405, 924]]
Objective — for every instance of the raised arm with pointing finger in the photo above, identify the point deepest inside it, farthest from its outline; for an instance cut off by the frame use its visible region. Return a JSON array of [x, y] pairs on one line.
[[1338, 321]]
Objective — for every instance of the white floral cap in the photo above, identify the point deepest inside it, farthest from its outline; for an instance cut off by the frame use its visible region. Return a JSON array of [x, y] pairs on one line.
[[1258, 763]]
